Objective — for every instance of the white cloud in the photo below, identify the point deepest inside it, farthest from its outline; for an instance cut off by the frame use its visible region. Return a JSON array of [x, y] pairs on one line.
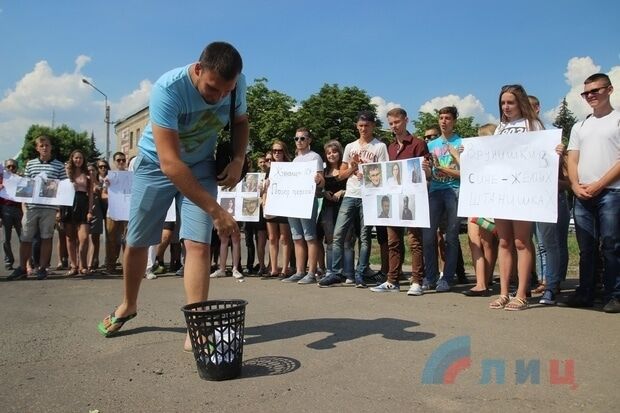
[[577, 70], [467, 106], [134, 101], [383, 108], [41, 94]]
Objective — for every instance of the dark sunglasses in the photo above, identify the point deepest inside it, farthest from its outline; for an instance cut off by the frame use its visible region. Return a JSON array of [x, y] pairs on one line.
[[516, 87], [430, 136], [277, 150], [102, 167], [596, 91], [299, 138], [11, 166], [121, 160]]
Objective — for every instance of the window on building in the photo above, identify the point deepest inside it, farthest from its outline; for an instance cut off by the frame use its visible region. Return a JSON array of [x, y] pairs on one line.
[[138, 136], [130, 140]]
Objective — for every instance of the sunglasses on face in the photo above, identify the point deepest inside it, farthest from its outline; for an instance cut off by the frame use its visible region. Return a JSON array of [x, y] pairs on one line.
[[102, 167], [596, 91], [121, 160], [427, 137], [277, 150], [299, 138], [12, 166]]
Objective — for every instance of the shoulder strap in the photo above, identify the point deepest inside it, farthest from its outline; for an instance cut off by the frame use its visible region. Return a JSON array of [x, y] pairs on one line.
[[231, 120]]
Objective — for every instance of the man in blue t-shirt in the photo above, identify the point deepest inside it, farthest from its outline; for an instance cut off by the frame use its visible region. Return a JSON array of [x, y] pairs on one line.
[[188, 108], [443, 198]]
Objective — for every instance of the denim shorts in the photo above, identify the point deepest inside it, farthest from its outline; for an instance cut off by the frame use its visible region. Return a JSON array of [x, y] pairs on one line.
[[151, 195], [304, 228]]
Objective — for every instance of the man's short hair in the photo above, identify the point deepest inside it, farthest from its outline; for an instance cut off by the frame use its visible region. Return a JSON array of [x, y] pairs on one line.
[[374, 167], [117, 154], [305, 131], [366, 116], [596, 77], [397, 112], [451, 110], [43, 138], [385, 198], [223, 59]]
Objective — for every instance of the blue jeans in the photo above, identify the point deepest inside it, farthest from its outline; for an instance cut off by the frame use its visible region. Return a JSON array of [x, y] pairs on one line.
[[599, 219], [445, 200], [328, 221], [554, 240], [350, 209]]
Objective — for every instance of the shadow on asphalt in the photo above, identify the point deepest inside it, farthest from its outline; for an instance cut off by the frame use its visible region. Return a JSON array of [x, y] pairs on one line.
[[269, 366], [147, 329], [340, 330]]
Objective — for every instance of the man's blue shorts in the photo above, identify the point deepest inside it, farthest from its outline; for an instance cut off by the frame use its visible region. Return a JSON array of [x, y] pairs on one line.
[[151, 195]]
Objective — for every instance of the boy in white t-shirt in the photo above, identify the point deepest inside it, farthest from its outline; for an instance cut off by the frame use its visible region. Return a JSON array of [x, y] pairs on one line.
[[594, 173]]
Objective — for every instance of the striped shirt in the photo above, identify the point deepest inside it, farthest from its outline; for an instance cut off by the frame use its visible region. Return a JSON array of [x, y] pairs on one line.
[[54, 169]]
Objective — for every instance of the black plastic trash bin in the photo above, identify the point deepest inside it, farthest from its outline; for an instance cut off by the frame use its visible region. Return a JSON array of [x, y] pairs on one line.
[[216, 332]]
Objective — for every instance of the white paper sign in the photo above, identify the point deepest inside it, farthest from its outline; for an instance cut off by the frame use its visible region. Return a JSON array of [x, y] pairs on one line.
[[119, 194], [243, 202], [511, 176], [291, 189], [394, 194], [38, 190]]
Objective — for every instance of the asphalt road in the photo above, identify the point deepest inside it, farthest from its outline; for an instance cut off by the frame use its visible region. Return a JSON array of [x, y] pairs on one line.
[[307, 349]]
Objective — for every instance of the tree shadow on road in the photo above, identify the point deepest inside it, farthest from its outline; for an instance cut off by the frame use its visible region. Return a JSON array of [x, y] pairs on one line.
[[340, 329]]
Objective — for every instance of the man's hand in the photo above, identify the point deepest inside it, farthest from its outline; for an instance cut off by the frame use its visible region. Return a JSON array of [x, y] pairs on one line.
[[224, 223], [581, 192], [231, 174], [593, 189]]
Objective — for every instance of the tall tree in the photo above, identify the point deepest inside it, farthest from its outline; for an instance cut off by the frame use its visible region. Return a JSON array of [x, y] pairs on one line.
[[331, 113], [464, 127], [271, 116], [64, 141], [565, 121]]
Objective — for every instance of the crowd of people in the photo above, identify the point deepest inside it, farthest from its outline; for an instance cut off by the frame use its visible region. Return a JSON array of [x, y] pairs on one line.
[[333, 246]]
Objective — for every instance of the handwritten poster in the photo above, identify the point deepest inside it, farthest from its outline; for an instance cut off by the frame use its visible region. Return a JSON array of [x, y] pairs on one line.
[[119, 194], [511, 176], [291, 189], [243, 201], [394, 194]]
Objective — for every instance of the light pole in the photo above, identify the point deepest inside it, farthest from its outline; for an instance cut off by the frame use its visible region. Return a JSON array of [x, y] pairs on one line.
[[107, 119]]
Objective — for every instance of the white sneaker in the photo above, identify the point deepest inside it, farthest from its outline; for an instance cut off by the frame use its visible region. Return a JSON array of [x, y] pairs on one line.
[[238, 275], [219, 273], [150, 276], [415, 289]]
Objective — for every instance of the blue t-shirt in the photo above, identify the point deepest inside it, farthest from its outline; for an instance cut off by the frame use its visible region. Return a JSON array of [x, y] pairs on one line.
[[176, 104], [438, 148]]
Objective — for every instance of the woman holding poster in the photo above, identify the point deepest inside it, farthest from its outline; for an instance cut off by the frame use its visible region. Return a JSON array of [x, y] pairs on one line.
[[517, 116]]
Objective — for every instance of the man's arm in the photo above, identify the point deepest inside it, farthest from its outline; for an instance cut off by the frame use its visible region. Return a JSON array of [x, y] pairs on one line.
[[610, 176], [232, 173], [572, 161], [167, 144]]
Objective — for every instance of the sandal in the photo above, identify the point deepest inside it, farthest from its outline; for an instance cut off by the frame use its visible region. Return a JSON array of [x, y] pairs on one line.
[[114, 324], [499, 303], [85, 271], [539, 289], [516, 304], [72, 272]]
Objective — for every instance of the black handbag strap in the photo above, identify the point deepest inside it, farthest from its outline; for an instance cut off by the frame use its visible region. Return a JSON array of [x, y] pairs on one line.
[[231, 120]]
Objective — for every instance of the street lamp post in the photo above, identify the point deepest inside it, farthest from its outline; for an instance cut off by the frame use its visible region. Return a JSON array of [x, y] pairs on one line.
[[107, 119]]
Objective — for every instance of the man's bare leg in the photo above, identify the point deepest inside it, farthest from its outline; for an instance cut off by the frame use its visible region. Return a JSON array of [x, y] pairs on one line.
[[196, 277], [134, 262]]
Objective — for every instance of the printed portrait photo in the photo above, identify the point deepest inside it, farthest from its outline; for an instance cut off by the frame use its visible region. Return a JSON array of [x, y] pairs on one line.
[[250, 183], [25, 188], [394, 174], [49, 188], [415, 170], [372, 175], [384, 206], [250, 207], [229, 205], [407, 207]]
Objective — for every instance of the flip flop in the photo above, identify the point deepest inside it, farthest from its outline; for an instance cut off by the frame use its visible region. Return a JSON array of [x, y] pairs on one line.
[[116, 323]]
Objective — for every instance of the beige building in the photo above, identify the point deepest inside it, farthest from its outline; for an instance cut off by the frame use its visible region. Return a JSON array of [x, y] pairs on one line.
[[129, 131]]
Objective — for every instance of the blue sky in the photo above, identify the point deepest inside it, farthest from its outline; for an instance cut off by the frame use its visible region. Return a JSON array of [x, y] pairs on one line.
[[418, 55]]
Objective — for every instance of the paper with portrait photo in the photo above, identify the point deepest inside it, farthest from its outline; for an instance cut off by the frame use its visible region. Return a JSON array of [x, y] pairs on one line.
[[400, 199], [239, 201]]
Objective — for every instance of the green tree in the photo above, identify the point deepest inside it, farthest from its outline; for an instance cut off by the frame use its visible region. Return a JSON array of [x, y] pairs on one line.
[[565, 121], [64, 141], [271, 116], [464, 127], [331, 113]]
